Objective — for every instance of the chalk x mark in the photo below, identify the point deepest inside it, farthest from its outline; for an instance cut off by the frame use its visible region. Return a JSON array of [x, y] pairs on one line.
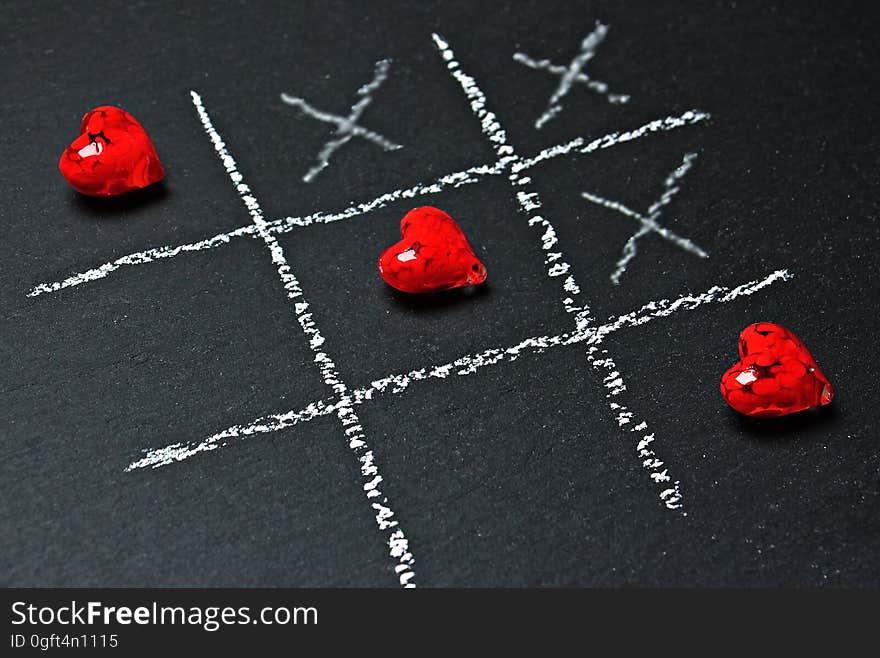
[[648, 223], [569, 75], [347, 126]]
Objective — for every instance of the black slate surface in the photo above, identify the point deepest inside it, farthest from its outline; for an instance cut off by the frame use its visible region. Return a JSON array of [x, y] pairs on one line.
[[517, 475]]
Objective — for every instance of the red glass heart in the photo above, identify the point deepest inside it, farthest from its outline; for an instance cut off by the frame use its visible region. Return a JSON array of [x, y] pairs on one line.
[[433, 255], [776, 375], [112, 155]]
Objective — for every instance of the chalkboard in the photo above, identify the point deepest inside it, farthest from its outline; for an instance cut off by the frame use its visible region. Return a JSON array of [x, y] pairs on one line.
[[206, 383]]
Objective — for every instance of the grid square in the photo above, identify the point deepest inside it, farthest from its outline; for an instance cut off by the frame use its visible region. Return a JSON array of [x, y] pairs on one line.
[[179, 359], [594, 236], [374, 330], [560, 492]]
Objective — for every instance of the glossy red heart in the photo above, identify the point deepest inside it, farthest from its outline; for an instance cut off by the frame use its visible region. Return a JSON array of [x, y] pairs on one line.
[[776, 375], [432, 255], [112, 155]]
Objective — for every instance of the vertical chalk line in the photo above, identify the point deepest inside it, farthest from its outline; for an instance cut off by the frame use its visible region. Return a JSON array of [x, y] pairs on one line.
[[357, 443], [529, 201], [396, 384], [670, 493]]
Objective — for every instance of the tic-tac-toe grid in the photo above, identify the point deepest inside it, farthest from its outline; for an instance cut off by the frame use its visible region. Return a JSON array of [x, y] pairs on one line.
[[345, 399]]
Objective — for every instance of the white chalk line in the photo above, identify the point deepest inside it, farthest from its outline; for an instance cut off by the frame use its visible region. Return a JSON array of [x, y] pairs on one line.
[[139, 258], [396, 384], [529, 201], [177, 452], [346, 127], [384, 515], [456, 179], [670, 494], [581, 145], [649, 223]]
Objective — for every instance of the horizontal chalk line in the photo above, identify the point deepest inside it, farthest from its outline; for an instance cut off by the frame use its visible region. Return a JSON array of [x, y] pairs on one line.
[[467, 365], [453, 180]]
